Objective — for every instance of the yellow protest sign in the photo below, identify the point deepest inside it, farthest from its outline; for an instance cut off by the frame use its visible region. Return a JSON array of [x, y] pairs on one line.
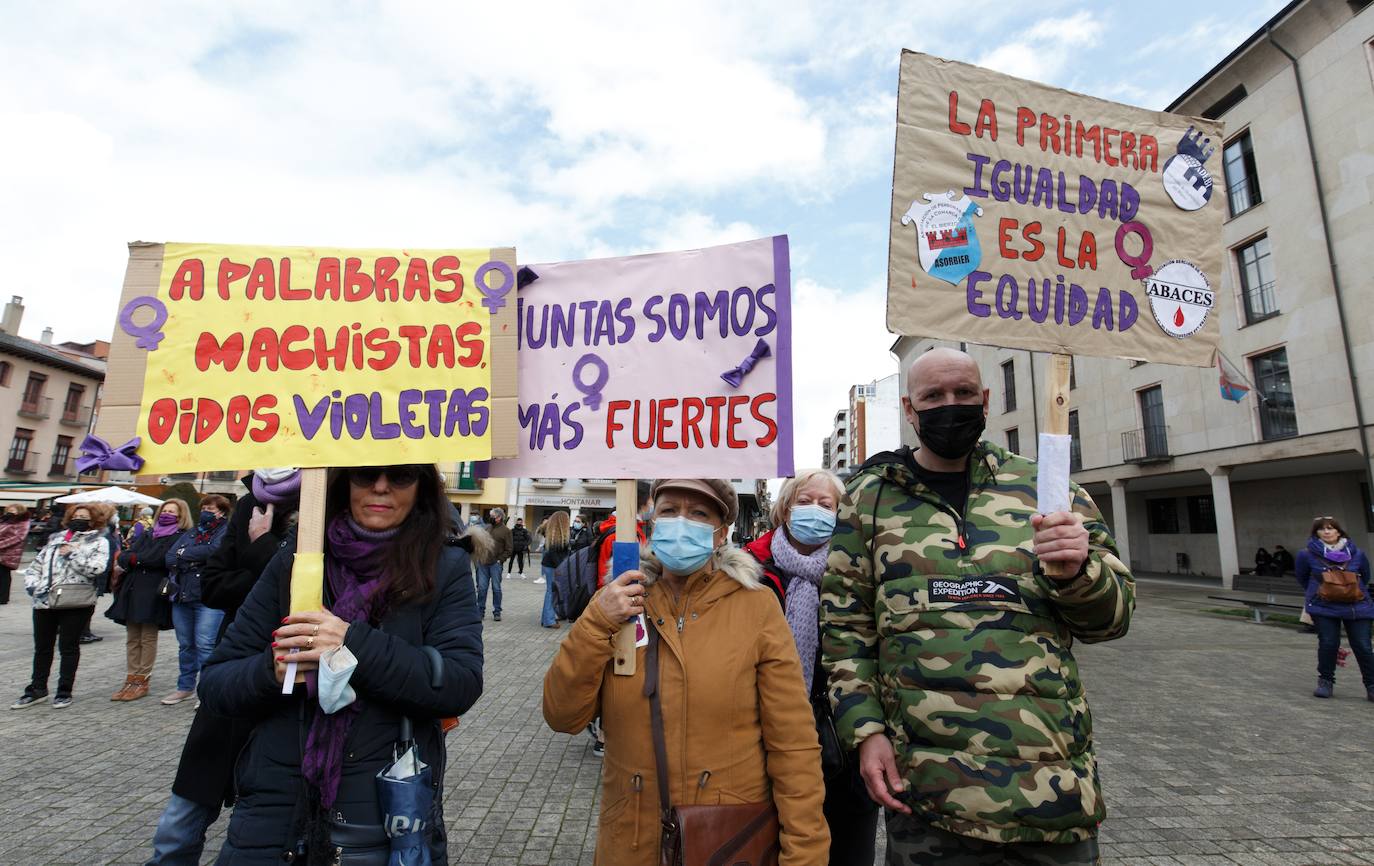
[[229, 357]]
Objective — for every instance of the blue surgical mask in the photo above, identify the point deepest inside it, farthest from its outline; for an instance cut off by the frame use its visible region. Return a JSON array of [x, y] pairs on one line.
[[577, 524], [811, 524], [682, 545]]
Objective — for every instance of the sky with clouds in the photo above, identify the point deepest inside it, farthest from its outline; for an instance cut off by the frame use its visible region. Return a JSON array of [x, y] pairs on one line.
[[571, 130]]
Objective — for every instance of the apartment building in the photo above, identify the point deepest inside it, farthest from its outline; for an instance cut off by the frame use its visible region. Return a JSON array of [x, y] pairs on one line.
[[1190, 481], [48, 397]]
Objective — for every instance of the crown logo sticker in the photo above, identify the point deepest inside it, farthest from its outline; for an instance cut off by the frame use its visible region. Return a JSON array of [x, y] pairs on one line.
[[946, 238], [1185, 178]]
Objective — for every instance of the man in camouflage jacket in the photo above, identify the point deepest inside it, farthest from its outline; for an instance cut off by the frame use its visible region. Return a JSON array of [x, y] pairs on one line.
[[949, 649]]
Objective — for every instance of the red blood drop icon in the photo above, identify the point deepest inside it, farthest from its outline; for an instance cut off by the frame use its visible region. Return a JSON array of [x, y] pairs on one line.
[[1178, 318]]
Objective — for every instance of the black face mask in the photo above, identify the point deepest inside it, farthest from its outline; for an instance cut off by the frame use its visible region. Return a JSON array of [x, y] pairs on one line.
[[80, 524], [951, 431]]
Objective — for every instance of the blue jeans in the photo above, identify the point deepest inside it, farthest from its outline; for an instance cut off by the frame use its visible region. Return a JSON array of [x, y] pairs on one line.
[[1329, 641], [197, 627], [180, 835], [489, 576], [548, 617]]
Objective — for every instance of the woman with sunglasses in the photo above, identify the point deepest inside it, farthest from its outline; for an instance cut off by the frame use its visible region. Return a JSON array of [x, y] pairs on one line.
[[399, 600], [1329, 556]]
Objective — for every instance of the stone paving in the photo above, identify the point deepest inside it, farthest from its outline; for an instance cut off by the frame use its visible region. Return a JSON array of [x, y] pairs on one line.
[[1212, 751]]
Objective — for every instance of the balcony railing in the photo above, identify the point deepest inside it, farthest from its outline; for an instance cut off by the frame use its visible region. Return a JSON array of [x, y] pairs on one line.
[[25, 464], [78, 417], [1243, 194], [1278, 419], [1260, 303], [62, 470], [39, 408], [1146, 445], [599, 483], [548, 483], [222, 477]]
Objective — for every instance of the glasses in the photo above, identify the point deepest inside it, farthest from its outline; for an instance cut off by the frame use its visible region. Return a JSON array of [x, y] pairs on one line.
[[397, 476]]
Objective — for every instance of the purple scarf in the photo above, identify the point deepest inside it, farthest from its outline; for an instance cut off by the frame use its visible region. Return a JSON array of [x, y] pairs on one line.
[[277, 492], [353, 564], [1338, 555], [163, 528]]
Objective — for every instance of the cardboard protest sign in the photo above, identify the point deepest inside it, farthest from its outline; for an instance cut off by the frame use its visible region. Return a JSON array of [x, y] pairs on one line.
[[1030, 217], [670, 364], [229, 357]]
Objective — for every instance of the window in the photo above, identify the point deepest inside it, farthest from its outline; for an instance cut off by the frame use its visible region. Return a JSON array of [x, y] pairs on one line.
[[33, 391], [1075, 450], [19, 449], [1368, 507], [1155, 435], [60, 452], [72, 407], [1242, 179], [1257, 281], [1014, 440], [1009, 386], [5, 369], [1278, 415], [1162, 515], [1202, 518]]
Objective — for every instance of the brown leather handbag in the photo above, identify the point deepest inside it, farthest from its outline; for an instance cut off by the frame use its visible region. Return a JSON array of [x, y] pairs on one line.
[[732, 835], [1341, 586]]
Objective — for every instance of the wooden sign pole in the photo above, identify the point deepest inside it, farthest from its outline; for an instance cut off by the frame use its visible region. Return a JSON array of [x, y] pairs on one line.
[[1057, 419], [626, 522], [307, 572]]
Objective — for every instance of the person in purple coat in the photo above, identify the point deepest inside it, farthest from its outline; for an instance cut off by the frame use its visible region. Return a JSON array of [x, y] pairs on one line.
[[1329, 549]]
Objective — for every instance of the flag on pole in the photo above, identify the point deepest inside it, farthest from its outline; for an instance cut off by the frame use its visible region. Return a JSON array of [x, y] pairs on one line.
[[1234, 385]]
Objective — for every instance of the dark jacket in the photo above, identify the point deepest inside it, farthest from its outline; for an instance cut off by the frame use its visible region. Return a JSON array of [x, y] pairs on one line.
[[580, 536], [205, 773], [235, 565], [554, 556], [186, 561], [502, 536], [392, 679], [520, 539], [1310, 566], [138, 599]]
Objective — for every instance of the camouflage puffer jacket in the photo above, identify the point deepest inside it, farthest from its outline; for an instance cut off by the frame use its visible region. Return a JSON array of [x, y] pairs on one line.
[[944, 634]]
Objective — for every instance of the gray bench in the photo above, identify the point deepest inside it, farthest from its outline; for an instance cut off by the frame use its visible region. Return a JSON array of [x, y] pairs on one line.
[[1261, 609]]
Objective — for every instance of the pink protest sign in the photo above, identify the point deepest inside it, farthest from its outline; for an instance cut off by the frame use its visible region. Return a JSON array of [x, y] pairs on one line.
[[669, 364]]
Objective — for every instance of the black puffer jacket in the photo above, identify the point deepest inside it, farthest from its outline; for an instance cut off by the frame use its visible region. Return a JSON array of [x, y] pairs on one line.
[[138, 599], [205, 774], [393, 678]]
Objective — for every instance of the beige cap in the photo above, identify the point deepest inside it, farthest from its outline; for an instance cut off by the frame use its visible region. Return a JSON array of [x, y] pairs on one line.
[[717, 490]]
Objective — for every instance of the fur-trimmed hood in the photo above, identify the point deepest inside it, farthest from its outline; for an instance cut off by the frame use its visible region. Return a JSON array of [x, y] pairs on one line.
[[476, 541], [728, 559]]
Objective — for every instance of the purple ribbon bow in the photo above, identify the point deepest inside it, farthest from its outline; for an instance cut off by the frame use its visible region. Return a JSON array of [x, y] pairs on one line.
[[96, 453], [736, 376]]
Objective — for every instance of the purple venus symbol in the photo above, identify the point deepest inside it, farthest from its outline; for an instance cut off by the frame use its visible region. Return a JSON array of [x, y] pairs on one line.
[[149, 335], [592, 390], [494, 298]]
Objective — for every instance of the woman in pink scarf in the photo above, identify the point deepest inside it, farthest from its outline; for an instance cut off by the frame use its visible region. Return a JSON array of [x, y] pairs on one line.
[[14, 531]]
